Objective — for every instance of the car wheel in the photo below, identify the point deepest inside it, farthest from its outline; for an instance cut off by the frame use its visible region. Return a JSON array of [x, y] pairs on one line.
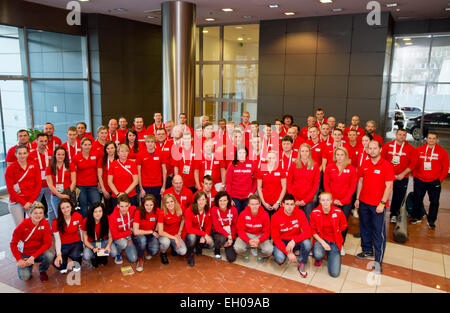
[[415, 132]]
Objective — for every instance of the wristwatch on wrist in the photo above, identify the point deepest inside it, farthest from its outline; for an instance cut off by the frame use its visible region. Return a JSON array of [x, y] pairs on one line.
[[383, 202]]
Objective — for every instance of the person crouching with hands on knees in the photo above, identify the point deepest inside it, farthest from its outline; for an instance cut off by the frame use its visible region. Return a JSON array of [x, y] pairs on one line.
[[66, 230], [198, 226], [97, 238], [327, 222], [144, 230], [253, 228], [291, 232], [170, 227], [30, 243], [224, 218], [120, 225]]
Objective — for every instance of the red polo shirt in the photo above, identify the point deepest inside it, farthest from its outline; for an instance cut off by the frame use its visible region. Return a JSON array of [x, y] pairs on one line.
[[375, 177], [271, 184], [71, 233], [171, 222], [72, 150], [185, 167], [287, 162], [151, 169], [184, 198], [86, 169], [205, 165], [149, 221], [359, 131], [303, 183], [105, 171], [118, 137], [42, 160], [123, 175], [316, 151], [166, 151], [58, 178]]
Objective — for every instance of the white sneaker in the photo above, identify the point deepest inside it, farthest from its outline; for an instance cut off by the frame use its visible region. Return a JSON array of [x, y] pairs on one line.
[[76, 269], [148, 257], [218, 256], [64, 271], [355, 213], [254, 252], [394, 219], [342, 251]]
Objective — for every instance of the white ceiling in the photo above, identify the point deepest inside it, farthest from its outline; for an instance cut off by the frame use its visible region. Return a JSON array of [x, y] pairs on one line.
[[259, 10]]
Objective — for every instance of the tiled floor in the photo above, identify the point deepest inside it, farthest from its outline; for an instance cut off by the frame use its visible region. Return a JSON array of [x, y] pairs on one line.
[[420, 265]]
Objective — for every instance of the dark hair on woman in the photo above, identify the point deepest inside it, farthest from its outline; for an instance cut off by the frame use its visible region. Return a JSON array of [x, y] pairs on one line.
[[368, 136], [53, 161], [288, 116], [221, 194], [239, 147], [105, 154], [146, 198], [90, 221], [198, 195], [136, 141], [60, 222]]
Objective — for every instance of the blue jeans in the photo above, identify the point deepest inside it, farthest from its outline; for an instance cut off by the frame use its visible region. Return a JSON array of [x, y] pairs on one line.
[[45, 259], [55, 203], [154, 191], [45, 192], [307, 209], [122, 244], [165, 242], [346, 209], [240, 204], [146, 242], [304, 247], [334, 257], [373, 230], [88, 254], [72, 251], [88, 195]]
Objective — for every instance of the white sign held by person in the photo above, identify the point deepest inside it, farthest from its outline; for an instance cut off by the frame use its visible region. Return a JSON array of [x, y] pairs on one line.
[[74, 16]]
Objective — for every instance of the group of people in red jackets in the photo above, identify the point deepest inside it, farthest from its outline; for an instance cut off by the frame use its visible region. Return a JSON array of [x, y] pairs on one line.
[[254, 189]]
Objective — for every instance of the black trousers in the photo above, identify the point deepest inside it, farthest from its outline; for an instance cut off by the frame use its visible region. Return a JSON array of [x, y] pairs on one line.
[[219, 241], [434, 192], [398, 194]]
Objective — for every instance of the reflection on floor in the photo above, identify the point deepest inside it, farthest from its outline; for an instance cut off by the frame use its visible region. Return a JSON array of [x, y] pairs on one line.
[[420, 265]]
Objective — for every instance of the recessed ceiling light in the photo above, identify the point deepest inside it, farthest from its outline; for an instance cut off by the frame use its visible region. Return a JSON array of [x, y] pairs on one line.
[[408, 43], [326, 1], [336, 10], [83, 0], [238, 27], [398, 10], [210, 19], [391, 5], [289, 13], [406, 39], [205, 31], [240, 38], [228, 10], [273, 6], [247, 16]]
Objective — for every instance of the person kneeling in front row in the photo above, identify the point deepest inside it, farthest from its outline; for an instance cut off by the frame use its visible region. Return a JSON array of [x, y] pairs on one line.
[[327, 222], [31, 243], [290, 232], [253, 228], [120, 225]]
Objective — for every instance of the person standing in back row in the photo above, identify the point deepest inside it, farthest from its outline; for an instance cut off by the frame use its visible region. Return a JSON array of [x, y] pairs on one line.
[[429, 173], [403, 158]]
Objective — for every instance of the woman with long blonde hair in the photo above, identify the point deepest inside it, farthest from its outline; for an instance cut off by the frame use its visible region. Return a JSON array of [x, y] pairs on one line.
[[340, 180], [170, 227], [303, 180]]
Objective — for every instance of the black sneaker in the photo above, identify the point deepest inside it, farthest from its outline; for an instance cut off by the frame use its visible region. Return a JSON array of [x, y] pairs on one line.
[[365, 255], [357, 235], [431, 225], [416, 221], [198, 251], [164, 259], [174, 253], [190, 261]]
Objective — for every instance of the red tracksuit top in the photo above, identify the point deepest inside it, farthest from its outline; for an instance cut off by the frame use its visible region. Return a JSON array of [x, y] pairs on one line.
[[342, 186], [39, 242], [241, 179], [256, 225], [30, 185], [439, 164], [229, 217], [303, 183], [193, 222], [338, 221], [119, 225], [294, 227]]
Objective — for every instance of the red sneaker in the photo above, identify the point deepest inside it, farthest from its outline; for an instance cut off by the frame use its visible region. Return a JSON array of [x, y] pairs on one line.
[[43, 276], [302, 270], [318, 263]]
